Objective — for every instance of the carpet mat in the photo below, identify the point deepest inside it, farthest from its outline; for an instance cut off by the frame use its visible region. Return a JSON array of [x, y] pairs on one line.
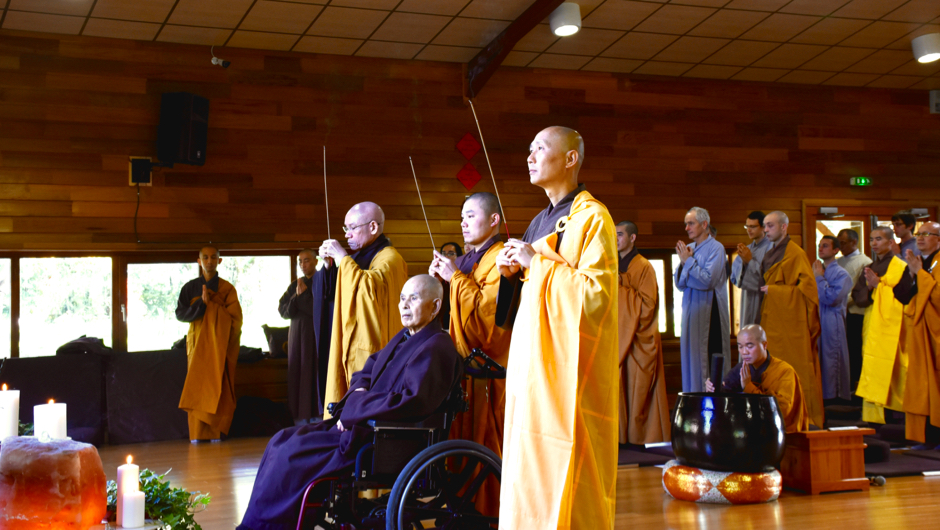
[[900, 465], [629, 456]]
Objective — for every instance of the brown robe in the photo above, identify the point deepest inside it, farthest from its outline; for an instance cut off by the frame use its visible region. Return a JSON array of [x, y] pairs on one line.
[[644, 407], [922, 342]]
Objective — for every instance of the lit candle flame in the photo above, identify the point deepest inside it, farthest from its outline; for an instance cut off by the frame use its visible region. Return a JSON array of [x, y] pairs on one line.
[[4, 387], [51, 401], [130, 459]]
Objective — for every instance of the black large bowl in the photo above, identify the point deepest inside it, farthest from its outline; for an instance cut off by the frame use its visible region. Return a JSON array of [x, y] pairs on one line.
[[728, 432]]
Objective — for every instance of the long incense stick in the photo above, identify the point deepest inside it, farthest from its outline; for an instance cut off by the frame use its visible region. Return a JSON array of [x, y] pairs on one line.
[[492, 175], [422, 203], [326, 197]]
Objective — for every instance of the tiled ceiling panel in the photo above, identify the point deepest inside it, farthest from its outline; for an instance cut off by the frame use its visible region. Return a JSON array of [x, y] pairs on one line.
[[833, 42]]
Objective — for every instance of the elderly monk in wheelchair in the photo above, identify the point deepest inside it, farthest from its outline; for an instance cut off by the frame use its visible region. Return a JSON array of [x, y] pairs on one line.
[[408, 380]]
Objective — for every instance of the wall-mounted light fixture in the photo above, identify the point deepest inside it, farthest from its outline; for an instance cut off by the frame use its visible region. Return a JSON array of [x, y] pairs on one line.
[[926, 47], [565, 20]]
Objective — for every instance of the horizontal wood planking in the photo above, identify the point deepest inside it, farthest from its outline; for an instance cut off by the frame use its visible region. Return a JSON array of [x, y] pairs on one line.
[[72, 109]]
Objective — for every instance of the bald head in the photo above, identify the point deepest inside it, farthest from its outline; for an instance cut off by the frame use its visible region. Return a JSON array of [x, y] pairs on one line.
[[209, 261], [928, 239], [208, 250], [368, 211], [486, 202], [569, 140], [775, 226], [424, 284], [420, 302], [752, 345], [364, 224], [555, 158]]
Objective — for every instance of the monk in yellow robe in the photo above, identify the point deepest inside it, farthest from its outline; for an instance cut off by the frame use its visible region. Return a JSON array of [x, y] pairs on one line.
[[562, 387], [210, 305], [644, 407], [790, 310], [474, 283], [884, 362], [365, 307], [921, 339], [759, 373]]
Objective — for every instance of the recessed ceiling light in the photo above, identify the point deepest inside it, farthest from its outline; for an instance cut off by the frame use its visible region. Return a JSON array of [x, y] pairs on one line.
[[566, 19]]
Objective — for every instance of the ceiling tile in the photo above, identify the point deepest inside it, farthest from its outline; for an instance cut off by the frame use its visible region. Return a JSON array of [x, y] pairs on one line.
[[562, 62], [588, 41], [619, 15], [193, 35], [931, 83], [389, 50], [703, 3], [450, 54], [805, 77], [437, 7], [387, 5], [879, 34], [915, 11], [638, 46], [830, 31], [837, 59], [280, 17], [759, 74], [120, 29], [261, 40], [517, 58], [904, 43], [675, 19], [496, 9], [410, 27], [789, 56], [757, 5], [330, 45], [588, 6], [210, 13], [348, 23], [63, 24], [813, 7], [56, 7], [845, 79], [471, 32], [870, 9], [690, 49], [657, 68], [537, 40], [894, 81], [741, 53], [728, 24], [881, 62], [780, 27], [606, 64], [143, 10], [912, 67], [711, 71]]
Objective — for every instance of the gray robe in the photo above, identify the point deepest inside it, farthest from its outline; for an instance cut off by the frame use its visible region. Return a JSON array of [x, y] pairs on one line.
[[748, 279]]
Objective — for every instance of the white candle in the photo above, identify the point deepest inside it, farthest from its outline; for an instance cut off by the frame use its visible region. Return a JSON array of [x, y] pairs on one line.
[[49, 420], [128, 481], [9, 412], [131, 510]]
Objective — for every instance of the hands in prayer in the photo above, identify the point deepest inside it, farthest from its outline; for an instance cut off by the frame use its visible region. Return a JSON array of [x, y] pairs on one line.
[[442, 267], [516, 255], [205, 295], [332, 249], [818, 268], [871, 279], [683, 251], [301, 286], [914, 263], [744, 253], [895, 249], [745, 375]]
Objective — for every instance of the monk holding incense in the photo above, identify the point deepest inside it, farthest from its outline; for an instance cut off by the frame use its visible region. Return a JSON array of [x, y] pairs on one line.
[[560, 443], [210, 305]]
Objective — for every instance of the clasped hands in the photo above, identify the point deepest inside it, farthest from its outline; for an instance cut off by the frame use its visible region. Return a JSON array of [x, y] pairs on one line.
[[745, 379], [683, 251], [515, 256]]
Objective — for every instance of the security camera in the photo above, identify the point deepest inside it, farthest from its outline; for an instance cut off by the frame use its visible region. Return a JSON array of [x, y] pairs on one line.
[[217, 61]]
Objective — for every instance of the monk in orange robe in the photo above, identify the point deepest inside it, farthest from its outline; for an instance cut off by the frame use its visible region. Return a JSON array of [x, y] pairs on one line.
[[560, 443], [790, 310], [644, 408], [365, 307], [474, 283], [759, 373], [210, 305], [922, 339]]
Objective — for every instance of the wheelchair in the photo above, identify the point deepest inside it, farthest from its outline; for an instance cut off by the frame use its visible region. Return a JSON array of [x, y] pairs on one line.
[[431, 478]]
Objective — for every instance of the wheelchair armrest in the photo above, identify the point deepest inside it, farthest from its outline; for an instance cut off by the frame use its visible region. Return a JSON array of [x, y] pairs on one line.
[[435, 421]]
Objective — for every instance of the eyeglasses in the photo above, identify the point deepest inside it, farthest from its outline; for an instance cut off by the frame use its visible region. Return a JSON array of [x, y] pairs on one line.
[[450, 253], [925, 234], [751, 227], [348, 229]]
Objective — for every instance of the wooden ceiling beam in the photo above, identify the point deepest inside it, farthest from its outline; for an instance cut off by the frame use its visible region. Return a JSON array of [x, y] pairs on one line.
[[482, 67]]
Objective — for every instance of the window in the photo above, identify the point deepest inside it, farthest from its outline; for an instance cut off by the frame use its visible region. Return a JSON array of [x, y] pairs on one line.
[[6, 299], [660, 267], [676, 299], [260, 282], [152, 293], [833, 227], [62, 299]]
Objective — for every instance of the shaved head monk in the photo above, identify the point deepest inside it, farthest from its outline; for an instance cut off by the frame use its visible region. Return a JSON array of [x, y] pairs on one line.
[[210, 305], [407, 380], [790, 310], [365, 312], [562, 386], [474, 283], [306, 373]]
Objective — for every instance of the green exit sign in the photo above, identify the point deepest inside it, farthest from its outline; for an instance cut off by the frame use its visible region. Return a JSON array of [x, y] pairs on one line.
[[860, 181]]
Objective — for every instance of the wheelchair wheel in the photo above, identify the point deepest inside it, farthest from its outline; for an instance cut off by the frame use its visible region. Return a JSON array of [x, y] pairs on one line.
[[427, 489]]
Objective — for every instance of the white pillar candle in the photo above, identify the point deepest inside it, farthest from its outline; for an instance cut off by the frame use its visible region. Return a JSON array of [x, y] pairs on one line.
[[131, 510], [49, 419], [9, 412], [128, 481]]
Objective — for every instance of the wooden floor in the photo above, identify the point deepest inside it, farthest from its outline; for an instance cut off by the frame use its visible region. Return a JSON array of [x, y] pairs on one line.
[[226, 470]]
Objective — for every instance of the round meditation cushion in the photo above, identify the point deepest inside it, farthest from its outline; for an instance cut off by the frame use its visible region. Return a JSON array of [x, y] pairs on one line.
[[694, 484]]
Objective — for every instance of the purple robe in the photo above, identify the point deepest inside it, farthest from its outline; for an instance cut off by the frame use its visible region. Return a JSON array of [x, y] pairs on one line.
[[304, 390], [408, 380]]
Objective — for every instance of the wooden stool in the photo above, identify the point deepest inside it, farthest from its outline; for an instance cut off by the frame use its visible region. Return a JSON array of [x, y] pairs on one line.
[[821, 461]]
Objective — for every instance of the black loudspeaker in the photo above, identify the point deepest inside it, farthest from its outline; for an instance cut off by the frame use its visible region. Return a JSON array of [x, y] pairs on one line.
[[184, 126]]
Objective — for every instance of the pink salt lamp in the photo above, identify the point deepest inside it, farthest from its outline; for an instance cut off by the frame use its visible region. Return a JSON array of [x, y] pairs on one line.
[[57, 485]]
